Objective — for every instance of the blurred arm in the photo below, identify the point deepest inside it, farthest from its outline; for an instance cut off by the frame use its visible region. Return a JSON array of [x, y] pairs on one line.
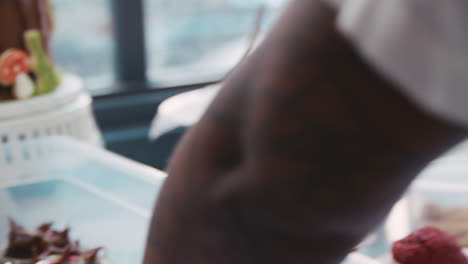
[[302, 153]]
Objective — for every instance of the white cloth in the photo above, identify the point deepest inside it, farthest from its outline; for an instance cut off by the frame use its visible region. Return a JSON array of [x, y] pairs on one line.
[[182, 110], [420, 45]]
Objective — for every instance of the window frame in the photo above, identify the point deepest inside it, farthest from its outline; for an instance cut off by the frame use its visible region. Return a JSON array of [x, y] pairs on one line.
[[129, 36]]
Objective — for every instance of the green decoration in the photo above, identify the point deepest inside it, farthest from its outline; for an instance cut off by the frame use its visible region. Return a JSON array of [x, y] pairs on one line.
[[47, 76]]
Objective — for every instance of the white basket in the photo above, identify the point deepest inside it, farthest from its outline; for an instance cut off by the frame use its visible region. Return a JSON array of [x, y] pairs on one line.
[[67, 111], [105, 199]]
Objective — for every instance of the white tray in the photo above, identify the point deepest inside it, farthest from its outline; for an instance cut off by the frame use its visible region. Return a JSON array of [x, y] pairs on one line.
[[105, 199]]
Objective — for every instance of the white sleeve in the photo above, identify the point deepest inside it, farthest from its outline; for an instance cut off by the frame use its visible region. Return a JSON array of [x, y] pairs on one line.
[[420, 45]]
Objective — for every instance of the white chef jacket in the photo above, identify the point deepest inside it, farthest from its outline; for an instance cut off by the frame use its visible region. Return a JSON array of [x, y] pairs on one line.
[[420, 45]]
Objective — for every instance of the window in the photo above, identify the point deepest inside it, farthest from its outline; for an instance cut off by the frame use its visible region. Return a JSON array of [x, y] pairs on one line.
[[83, 41], [190, 40], [187, 41]]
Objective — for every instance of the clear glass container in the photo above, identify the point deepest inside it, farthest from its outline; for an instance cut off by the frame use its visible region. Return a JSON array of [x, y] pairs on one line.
[[439, 197]]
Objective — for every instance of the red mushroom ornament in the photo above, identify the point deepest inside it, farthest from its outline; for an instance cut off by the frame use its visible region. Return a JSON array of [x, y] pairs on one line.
[[14, 67], [13, 62]]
